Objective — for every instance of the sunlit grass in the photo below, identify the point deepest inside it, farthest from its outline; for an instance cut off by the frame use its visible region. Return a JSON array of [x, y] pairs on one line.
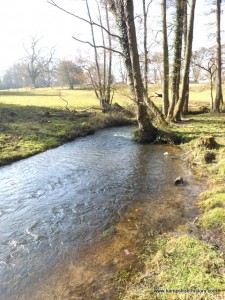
[[180, 266], [53, 97], [81, 98]]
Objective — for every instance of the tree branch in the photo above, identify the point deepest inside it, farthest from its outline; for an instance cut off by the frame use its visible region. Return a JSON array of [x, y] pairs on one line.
[[94, 46], [52, 2]]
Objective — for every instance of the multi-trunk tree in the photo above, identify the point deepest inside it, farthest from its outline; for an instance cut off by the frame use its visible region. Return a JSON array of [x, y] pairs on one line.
[[123, 11]]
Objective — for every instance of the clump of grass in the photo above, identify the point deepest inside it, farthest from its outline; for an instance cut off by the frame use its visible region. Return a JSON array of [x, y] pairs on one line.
[[212, 203], [181, 263], [213, 219], [212, 192], [216, 200]]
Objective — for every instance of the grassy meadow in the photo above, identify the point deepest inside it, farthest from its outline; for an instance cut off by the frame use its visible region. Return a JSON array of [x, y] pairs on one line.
[[83, 98], [52, 97]]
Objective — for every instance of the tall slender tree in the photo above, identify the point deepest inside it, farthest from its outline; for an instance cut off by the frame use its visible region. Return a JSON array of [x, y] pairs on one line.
[[165, 59], [187, 62], [175, 80], [219, 94]]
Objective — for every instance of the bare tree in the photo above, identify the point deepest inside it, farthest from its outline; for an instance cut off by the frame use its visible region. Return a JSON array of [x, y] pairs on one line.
[[207, 63], [196, 61], [36, 61], [100, 73], [146, 61], [188, 52], [165, 60], [175, 80], [219, 94]]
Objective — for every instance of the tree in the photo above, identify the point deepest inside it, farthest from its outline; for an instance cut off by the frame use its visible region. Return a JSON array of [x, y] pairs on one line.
[[155, 69], [36, 62], [15, 77], [103, 76], [146, 61], [175, 80], [219, 94], [165, 60], [188, 52], [124, 16], [207, 63], [70, 74], [196, 61]]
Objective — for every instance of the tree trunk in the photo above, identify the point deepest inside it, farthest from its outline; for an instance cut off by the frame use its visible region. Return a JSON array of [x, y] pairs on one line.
[[185, 108], [96, 53], [188, 53], [103, 76], [145, 50], [165, 61], [117, 8], [177, 57], [219, 95], [147, 131], [109, 73]]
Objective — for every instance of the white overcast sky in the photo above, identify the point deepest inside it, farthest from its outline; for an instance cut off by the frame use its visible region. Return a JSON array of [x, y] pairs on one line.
[[21, 19]]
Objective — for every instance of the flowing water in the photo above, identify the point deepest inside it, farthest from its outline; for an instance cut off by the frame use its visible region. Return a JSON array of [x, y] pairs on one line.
[[56, 205]]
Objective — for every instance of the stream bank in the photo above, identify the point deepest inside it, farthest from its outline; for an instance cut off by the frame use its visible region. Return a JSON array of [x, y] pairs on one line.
[[188, 262], [29, 130]]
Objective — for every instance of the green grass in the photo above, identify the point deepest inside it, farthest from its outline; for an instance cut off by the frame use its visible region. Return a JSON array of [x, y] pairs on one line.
[[212, 205], [28, 130], [213, 219], [181, 263], [50, 97], [85, 97], [33, 120]]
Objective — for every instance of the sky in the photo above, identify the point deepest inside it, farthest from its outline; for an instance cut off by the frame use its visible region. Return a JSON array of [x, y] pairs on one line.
[[22, 19]]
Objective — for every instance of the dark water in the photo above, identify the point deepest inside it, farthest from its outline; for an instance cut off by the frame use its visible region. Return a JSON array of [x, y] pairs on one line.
[[60, 201]]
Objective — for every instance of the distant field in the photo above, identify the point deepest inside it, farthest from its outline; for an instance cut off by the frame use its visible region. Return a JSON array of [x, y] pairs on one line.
[[50, 97], [81, 98]]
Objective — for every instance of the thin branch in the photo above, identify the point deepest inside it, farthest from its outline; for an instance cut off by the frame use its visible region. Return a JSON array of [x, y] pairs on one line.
[[94, 46], [150, 2], [52, 2]]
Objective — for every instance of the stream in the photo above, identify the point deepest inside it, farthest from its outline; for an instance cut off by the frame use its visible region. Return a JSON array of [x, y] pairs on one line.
[[58, 206]]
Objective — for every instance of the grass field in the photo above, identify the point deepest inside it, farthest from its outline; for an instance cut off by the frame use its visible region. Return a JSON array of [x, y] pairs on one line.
[[52, 97], [81, 98]]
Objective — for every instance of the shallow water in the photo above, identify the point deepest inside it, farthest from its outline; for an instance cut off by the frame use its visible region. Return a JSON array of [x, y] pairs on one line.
[[56, 204]]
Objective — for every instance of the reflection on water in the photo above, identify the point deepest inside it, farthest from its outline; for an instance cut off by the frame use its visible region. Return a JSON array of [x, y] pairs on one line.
[[58, 202]]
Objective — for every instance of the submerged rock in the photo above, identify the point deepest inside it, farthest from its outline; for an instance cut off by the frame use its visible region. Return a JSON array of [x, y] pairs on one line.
[[179, 180]]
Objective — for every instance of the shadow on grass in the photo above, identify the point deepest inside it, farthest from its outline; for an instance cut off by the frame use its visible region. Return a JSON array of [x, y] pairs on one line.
[[12, 113]]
